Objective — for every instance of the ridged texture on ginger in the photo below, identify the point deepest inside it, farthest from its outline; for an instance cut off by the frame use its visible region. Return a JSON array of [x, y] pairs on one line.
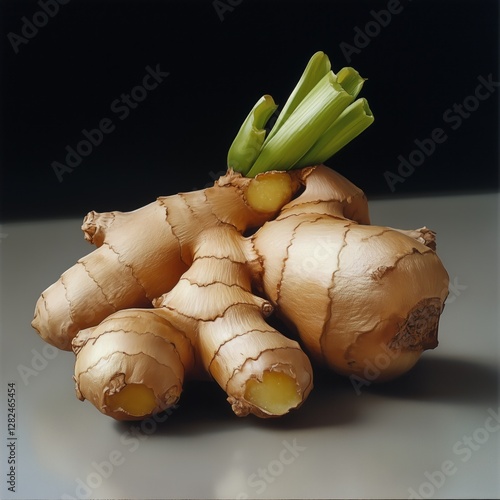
[[178, 290], [140, 255], [134, 347], [110, 279], [234, 342], [352, 291]]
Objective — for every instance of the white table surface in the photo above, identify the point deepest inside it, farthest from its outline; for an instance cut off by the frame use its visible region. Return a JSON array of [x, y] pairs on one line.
[[430, 434]]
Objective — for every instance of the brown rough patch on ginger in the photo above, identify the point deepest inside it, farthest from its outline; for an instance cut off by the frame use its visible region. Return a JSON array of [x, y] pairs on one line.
[[419, 331]]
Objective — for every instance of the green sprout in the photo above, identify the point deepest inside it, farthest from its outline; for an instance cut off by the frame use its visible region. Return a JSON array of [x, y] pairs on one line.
[[319, 118]]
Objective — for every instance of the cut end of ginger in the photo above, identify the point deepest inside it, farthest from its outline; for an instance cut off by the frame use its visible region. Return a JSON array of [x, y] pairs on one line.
[[276, 394], [136, 400], [268, 192]]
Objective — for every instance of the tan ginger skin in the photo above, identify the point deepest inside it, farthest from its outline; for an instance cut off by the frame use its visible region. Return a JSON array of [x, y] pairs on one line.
[[178, 290]]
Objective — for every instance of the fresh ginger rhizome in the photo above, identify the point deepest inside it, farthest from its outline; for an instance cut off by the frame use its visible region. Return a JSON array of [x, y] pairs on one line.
[[182, 287]]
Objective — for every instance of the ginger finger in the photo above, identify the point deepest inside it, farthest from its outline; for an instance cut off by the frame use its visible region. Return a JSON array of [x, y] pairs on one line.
[[133, 364]]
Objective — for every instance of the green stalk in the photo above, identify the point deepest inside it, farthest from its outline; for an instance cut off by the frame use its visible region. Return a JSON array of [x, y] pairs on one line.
[[319, 118], [318, 66], [356, 118], [351, 81], [248, 142], [304, 126]]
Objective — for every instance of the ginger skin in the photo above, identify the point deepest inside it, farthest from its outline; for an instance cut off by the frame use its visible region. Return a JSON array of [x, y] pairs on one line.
[[214, 312], [357, 276], [198, 300], [140, 255]]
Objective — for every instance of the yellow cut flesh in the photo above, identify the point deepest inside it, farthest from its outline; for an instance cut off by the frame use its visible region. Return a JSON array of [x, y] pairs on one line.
[[135, 399], [276, 394], [269, 192]]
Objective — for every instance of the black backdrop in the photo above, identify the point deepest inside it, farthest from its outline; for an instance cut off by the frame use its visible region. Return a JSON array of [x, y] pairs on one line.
[[66, 66]]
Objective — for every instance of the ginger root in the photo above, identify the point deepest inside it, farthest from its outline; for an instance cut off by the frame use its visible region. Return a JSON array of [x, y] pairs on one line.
[[140, 255], [351, 291], [377, 292], [182, 287]]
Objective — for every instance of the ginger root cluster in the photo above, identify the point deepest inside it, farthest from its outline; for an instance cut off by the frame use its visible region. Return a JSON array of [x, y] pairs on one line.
[[181, 289]]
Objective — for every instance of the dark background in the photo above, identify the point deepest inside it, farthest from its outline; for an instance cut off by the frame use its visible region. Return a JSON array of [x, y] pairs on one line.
[[427, 59]]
